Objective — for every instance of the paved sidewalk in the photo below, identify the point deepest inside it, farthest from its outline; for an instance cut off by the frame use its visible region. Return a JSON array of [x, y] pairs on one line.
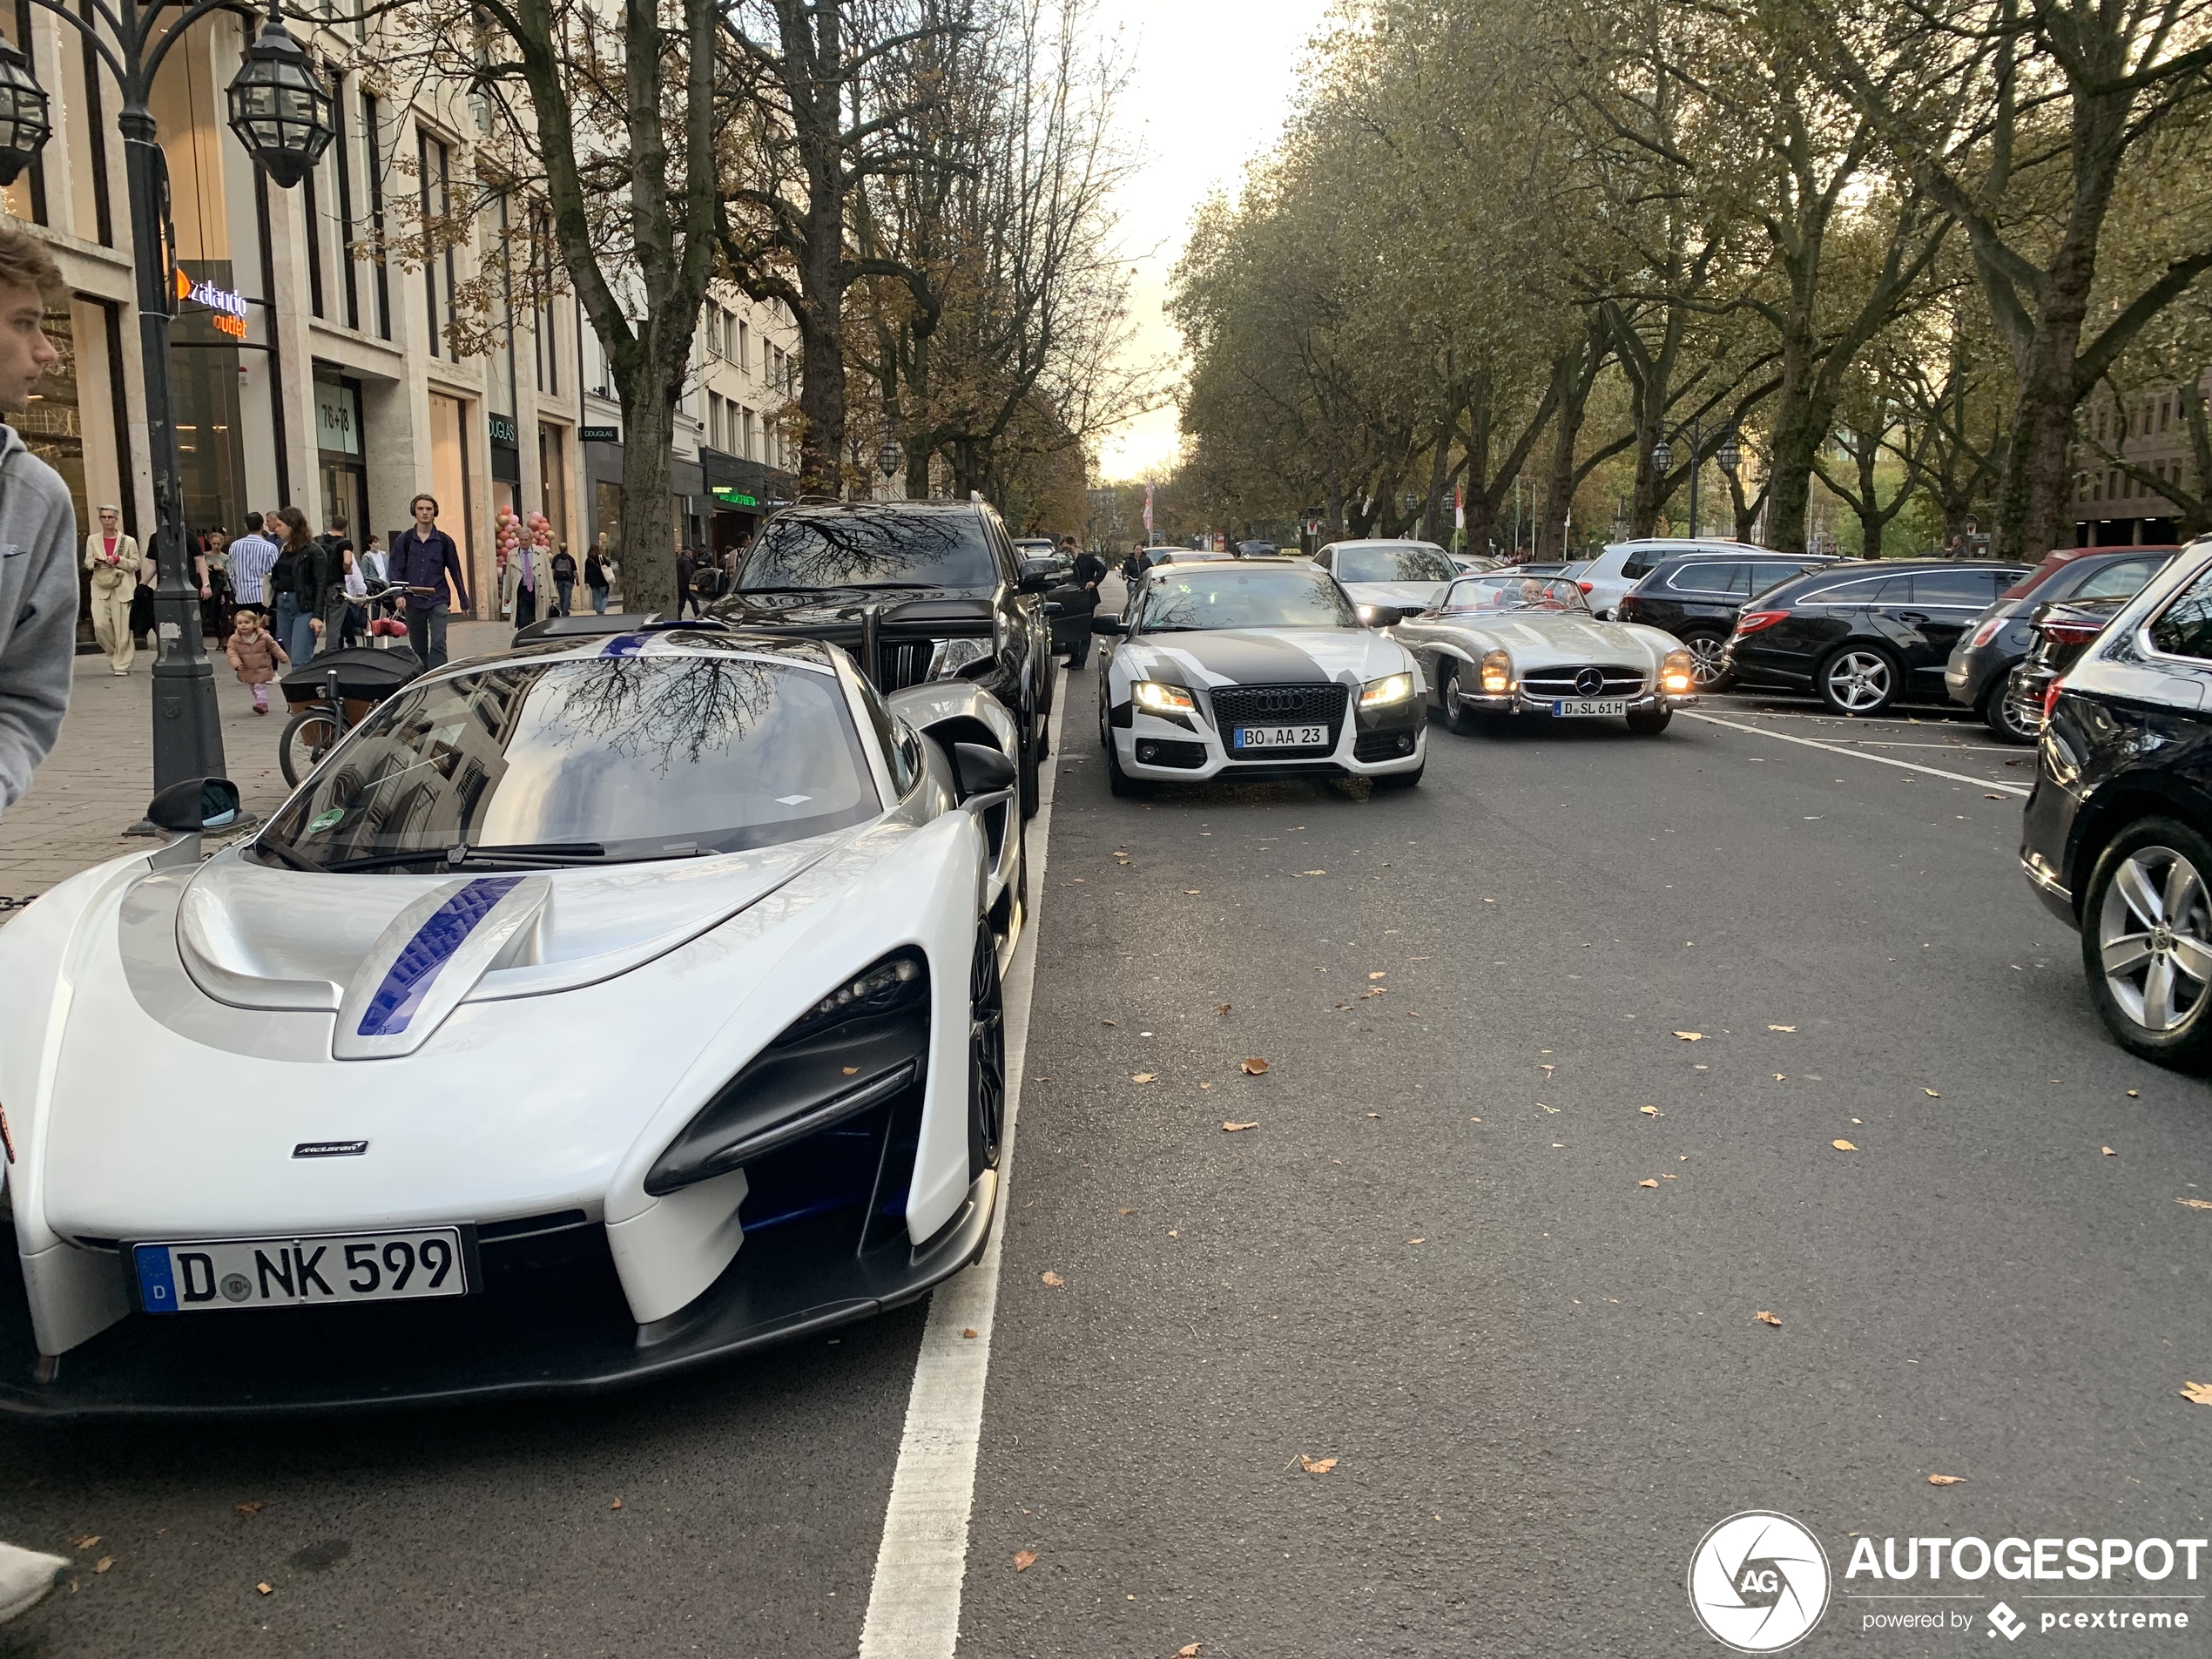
[[96, 782]]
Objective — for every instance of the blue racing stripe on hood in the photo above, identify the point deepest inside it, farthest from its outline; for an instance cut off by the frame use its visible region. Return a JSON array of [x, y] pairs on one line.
[[416, 968], [624, 645]]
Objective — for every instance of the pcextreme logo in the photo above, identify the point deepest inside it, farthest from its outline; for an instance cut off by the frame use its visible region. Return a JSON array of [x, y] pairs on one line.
[[1759, 1581]]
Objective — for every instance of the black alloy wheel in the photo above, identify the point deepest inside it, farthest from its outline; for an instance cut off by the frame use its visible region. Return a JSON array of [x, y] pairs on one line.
[[1708, 670], [1859, 679], [2146, 942], [986, 1057]]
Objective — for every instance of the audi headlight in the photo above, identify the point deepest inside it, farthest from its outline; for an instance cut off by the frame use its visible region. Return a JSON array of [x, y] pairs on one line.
[[1677, 675], [1497, 673], [953, 657], [1163, 699], [1391, 688]]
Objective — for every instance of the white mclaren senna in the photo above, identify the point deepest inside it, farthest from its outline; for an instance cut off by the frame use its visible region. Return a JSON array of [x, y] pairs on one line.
[[592, 1011]]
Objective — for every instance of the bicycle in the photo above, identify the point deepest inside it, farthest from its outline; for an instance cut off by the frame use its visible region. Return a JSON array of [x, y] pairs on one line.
[[352, 683]]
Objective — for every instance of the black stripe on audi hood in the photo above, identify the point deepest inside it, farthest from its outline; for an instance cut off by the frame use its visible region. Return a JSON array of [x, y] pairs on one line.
[[1243, 656]]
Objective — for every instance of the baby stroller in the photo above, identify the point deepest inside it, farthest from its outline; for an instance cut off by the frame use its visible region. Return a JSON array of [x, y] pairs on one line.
[[331, 694]]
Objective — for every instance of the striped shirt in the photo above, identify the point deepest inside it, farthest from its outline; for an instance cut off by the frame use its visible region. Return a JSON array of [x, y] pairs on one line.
[[252, 558]]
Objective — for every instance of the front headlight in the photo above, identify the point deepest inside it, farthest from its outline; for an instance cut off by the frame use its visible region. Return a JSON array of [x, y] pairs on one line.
[[1163, 699], [1497, 673], [1677, 675], [1391, 688], [952, 656]]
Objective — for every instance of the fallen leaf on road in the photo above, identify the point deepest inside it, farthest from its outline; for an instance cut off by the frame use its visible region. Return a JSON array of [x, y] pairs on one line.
[[1667, 1177], [1106, 1022], [850, 1070], [1313, 872], [1343, 1007], [1779, 1078], [1384, 975], [1144, 1076], [1052, 1279], [1766, 1318], [1417, 1241], [1223, 1008], [971, 1333], [2131, 1094], [2195, 1204], [1946, 1480], [2197, 1393], [1546, 1069], [1024, 1559], [1190, 892], [1374, 1114], [84, 1543], [1253, 1065], [1232, 1129], [265, 1588], [1129, 1212], [617, 1504], [1651, 1111], [1316, 1466], [1489, 901], [2110, 1153], [1205, 1085], [1379, 990], [248, 1509], [1843, 1146], [103, 1563], [1931, 1093], [1993, 798], [1189, 1650], [1782, 1027], [1691, 1036], [1647, 1184]]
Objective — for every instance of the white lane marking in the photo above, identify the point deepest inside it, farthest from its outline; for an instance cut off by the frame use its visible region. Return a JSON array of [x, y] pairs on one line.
[[1860, 754], [1938, 721], [914, 1606]]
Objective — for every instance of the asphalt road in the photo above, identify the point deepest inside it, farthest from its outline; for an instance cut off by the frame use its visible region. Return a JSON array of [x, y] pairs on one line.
[[1430, 1259]]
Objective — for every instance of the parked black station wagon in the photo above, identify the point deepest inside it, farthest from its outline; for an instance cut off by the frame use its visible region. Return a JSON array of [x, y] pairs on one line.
[[1983, 661], [1863, 635], [1695, 597], [2117, 837]]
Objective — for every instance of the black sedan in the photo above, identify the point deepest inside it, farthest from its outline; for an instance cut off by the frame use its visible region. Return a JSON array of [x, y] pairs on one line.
[[2117, 837], [1982, 663], [1695, 597], [1863, 635]]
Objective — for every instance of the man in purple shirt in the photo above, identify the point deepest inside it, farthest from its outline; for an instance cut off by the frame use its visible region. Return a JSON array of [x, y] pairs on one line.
[[421, 559]]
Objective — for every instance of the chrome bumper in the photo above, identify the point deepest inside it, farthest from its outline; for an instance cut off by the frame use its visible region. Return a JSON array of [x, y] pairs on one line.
[[1521, 703]]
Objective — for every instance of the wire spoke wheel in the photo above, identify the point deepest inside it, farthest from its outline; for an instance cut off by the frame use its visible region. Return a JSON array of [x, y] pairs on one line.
[[1859, 682], [307, 737], [985, 1055], [2154, 938]]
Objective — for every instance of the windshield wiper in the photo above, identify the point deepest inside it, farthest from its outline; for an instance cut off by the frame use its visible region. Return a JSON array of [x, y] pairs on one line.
[[918, 587], [287, 853], [810, 587], [463, 855]]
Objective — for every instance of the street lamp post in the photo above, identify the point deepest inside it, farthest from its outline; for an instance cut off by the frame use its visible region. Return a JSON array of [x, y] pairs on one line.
[[282, 115], [888, 457]]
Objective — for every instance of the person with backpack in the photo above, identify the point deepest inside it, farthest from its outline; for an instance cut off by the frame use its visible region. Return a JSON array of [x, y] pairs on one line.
[[594, 579], [563, 582]]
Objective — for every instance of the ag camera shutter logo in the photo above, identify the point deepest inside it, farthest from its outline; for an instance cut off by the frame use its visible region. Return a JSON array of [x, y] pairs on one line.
[[1759, 1581]]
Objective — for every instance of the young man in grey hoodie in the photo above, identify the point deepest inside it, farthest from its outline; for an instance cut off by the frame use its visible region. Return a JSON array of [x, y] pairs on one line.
[[37, 632], [38, 531]]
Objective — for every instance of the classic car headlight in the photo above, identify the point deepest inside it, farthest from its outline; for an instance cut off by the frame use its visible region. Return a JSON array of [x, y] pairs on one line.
[[1497, 673], [1391, 688], [1163, 699], [1677, 675], [865, 1043], [951, 657]]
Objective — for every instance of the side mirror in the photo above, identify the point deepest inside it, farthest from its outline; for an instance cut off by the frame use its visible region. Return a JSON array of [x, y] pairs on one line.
[[1103, 623], [981, 771], [1039, 575], [1054, 608], [194, 804]]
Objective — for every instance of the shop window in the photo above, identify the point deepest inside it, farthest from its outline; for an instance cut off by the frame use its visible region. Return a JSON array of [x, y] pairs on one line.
[[373, 150], [434, 162]]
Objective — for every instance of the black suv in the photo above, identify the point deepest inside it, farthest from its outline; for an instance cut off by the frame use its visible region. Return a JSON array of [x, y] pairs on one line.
[[1695, 596], [2117, 837], [1864, 634], [915, 590], [1982, 662]]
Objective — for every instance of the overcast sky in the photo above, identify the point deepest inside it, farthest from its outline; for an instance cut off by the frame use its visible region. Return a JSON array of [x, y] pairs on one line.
[[1213, 78]]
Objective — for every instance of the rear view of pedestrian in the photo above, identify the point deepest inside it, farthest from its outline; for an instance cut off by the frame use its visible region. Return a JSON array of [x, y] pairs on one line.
[[594, 578], [687, 567], [564, 581], [257, 656]]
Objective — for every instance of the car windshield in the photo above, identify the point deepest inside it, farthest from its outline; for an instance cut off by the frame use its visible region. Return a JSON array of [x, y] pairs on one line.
[[1503, 591], [612, 758], [872, 550], [1229, 595], [1392, 565]]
